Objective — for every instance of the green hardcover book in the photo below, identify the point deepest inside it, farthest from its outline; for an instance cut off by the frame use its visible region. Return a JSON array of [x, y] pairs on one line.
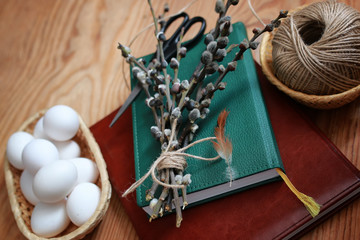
[[255, 152]]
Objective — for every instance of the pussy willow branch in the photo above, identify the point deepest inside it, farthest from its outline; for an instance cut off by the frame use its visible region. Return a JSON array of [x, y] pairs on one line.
[[162, 58]]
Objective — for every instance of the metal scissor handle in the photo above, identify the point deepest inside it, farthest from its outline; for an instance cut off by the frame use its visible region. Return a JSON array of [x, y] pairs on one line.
[[170, 44]]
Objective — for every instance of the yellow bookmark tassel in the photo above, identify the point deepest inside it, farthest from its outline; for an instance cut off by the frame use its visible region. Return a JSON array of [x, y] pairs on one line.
[[311, 205]]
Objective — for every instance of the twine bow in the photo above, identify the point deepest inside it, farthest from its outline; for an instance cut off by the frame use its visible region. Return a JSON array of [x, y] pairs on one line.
[[170, 159]]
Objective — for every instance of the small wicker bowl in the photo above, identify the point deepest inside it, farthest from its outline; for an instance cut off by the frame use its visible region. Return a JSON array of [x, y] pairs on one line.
[[22, 209], [313, 101]]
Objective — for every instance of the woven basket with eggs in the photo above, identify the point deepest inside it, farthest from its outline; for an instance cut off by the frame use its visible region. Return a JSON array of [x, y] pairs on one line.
[[22, 209]]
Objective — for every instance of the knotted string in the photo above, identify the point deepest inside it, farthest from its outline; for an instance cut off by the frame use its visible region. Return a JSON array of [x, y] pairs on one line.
[[170, 159]]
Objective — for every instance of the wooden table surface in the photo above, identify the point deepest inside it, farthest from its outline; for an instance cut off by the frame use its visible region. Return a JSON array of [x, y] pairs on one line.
[[64, 52]]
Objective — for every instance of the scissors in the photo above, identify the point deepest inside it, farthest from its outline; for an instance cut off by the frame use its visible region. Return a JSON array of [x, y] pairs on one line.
[[169, 48]]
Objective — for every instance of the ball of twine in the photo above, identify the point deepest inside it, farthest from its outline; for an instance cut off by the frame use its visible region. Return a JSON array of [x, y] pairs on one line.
[[317, 49]]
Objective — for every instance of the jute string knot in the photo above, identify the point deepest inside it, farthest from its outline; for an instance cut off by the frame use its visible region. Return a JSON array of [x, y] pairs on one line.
[[317, 49], [170, 159]]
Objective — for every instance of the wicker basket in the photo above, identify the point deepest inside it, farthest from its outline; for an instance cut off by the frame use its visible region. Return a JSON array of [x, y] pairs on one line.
[[22, 209], [314, 101]]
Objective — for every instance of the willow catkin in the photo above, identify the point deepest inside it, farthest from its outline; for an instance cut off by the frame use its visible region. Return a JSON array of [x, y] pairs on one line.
[[317, 49]]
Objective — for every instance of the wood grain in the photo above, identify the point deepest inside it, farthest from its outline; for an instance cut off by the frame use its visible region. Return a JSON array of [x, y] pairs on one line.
[[64, 52]]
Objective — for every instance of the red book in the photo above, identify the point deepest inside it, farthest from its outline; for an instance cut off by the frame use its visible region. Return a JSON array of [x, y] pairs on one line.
[[313, 164]]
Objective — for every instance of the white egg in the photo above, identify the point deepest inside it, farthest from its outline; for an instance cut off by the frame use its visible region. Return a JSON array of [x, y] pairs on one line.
[[68, 149], [61, 123], [55, 181], [39, 129], [87, 170], [26, 183], [82, 202], [49, 219], [38, 153], [15, 147]]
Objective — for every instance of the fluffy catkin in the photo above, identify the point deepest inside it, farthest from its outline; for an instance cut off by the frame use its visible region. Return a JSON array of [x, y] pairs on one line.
[[317, 49]]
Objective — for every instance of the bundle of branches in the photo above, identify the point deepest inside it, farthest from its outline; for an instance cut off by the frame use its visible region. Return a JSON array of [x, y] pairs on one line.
[[174, 128]]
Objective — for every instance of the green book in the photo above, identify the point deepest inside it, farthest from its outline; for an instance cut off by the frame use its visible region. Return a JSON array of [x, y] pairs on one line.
[[255, 152]]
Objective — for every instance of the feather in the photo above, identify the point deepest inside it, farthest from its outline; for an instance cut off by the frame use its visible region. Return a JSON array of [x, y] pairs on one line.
[[223, 145]]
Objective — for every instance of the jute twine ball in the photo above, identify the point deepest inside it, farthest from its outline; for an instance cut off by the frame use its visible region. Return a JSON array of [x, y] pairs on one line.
[[317, 49]]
